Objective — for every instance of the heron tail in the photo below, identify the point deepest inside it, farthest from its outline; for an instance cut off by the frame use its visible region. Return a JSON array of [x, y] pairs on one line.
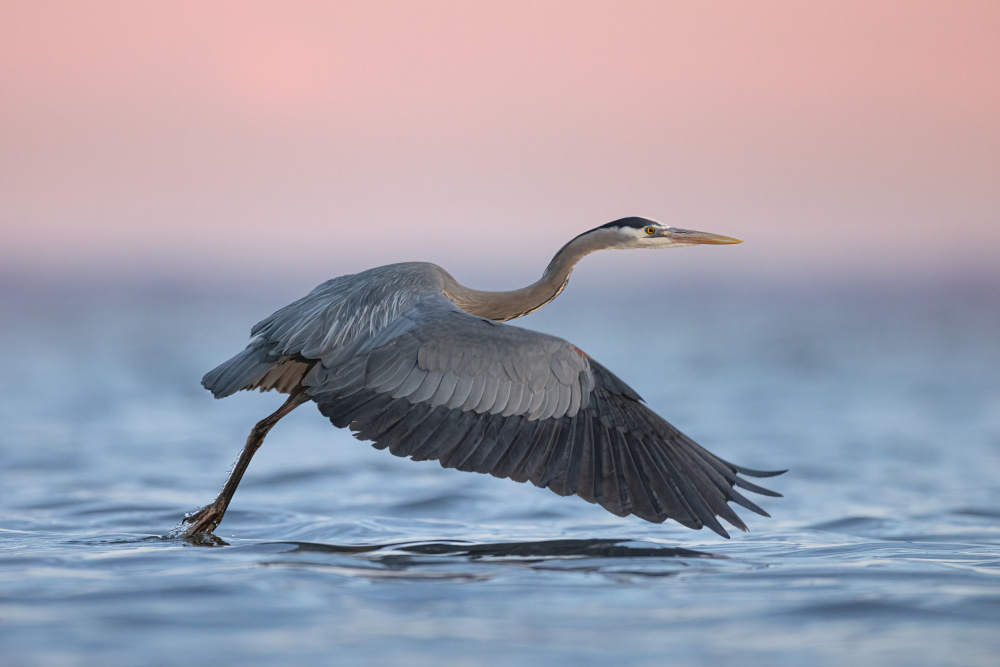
[[243, 371]]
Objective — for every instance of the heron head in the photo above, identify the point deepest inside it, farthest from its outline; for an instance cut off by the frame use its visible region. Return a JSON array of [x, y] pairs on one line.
[[636, 232]]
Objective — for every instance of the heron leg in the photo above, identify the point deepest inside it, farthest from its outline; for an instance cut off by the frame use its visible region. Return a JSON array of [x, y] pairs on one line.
[[205, 520]]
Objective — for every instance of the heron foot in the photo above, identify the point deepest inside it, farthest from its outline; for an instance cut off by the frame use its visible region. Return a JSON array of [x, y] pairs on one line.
[[203, 522]]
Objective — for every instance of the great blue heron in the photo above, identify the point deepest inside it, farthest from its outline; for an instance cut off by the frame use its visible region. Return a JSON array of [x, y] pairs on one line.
[[420, 365]]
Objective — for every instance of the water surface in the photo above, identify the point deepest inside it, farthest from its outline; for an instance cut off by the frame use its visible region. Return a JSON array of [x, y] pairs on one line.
[[884, 550]]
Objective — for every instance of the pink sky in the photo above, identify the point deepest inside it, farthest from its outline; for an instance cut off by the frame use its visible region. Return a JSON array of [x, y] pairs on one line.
[[318, 138]]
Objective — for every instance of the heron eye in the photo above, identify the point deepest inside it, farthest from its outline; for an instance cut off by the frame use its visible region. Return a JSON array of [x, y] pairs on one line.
[[650, 230]]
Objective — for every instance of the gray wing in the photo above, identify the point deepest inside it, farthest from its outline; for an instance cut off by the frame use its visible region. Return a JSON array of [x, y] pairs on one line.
[[476, 395], [327, 323]]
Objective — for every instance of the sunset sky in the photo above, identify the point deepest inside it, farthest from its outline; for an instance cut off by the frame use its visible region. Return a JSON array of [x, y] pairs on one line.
[[311, 139]]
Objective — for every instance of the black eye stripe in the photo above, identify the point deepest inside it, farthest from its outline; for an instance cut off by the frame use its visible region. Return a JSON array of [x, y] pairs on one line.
[[633, 222]]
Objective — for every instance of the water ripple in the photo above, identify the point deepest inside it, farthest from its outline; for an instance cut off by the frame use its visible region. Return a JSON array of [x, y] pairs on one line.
[[885, 549]]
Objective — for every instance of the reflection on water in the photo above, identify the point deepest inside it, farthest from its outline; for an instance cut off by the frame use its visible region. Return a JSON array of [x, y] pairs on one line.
[[884, 550]]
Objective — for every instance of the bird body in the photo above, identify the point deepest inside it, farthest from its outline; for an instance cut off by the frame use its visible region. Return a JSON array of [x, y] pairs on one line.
[[421, 365]]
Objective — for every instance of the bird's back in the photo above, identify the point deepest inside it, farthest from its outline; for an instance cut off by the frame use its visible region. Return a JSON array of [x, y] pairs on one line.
[[323, 325]]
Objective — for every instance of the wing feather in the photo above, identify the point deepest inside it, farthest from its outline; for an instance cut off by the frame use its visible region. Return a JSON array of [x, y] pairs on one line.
[[583, 462], [490, 389], [514, 429], [410, 383], [541, 440], [458, 454], [504, 386], [428, 386], [609, 491], [475, 392], [463, 387], [551, 471], [518, 450], [445, 390], [449, 435], [465, 449], [391, 379]]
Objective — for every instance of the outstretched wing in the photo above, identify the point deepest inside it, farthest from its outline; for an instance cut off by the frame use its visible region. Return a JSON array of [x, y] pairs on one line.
[[438, 383]]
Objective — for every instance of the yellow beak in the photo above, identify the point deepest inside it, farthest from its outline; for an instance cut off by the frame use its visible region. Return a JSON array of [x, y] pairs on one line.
[[691, 236]]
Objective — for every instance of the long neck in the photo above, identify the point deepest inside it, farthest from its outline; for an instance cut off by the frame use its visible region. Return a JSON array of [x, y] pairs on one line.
[[504, 306]]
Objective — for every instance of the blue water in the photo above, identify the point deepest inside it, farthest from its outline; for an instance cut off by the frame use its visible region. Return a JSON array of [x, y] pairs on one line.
[[885, 550]]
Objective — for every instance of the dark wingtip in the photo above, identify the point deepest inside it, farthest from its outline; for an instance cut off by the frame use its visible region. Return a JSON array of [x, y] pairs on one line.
[[758, 473], [721, 532], [743, 501], [750, 486]]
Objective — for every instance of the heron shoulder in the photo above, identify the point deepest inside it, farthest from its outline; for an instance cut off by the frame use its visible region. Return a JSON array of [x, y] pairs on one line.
[[423, 277], [344, 309]]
